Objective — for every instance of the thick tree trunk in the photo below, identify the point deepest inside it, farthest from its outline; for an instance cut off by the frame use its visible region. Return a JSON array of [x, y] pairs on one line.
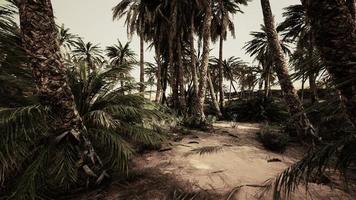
[[159, 73], [352, 7], [205, 63], [39, 37], [335, 37], [213, 97], [142, 64], [302, 123]]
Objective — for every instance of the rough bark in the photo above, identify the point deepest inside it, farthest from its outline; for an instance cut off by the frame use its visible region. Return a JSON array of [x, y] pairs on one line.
[[142, 64], [334, 34], [301, 121], [352, 7], [213, 97], [159, 73], [205, 63], [39, 37]]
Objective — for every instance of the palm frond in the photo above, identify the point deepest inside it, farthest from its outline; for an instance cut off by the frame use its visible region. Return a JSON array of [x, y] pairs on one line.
[[205, 150]]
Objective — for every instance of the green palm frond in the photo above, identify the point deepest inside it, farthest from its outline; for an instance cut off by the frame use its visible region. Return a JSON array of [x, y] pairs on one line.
[[142, 135], [19, 128], [112, 144], [338, 155]]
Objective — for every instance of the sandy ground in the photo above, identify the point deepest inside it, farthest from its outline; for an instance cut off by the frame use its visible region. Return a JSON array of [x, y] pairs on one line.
[[238, 160]]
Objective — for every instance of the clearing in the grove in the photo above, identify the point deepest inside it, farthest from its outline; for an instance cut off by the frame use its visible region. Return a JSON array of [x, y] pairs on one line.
[[177, 99]]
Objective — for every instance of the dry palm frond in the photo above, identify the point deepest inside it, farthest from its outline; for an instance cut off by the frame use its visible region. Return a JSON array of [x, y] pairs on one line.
[[205, 150]]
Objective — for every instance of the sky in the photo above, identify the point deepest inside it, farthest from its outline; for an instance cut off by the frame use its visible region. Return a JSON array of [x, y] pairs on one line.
[[92, 20]]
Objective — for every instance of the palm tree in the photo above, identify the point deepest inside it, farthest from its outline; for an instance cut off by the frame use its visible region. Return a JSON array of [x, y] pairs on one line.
[[334, 35], [200, 116], [301, 121], [89, 53], [221, 24], [258, 47], [49, 73], [296, 28], [137, 18], [232, 70], [114, 122], [121, 58], [66, 39]]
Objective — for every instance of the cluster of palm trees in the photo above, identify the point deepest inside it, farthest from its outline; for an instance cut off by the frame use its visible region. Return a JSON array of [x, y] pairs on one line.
[[172, 28], [68, 109]]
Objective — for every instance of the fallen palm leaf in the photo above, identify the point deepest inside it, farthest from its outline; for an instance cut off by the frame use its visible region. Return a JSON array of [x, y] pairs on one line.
[[205, 150]]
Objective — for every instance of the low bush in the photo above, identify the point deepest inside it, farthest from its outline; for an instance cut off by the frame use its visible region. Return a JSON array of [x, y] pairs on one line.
[[257, 110], [272, 138]]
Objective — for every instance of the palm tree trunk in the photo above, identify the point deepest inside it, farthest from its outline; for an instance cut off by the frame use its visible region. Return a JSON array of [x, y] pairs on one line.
[[213, 97], [230, 90], [172, 64], [313, 87], [334, 34], [221, 69], [302, 89], [39, 37], [182, 102], [142, 64], [267, 81], [302, 123], [193, 59], [159, 73], [205, 63], [351, 4]]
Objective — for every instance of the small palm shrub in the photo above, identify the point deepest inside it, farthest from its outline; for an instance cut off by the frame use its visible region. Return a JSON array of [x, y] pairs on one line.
[[32, 166], [273, 139], [257, 110]]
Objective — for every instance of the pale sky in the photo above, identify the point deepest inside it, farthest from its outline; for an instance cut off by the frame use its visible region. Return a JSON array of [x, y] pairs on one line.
[[92, 19]]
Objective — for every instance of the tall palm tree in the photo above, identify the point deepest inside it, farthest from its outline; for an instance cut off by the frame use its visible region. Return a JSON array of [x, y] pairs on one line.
[[335, 37], [137, 17], [122, 58], [296, 28], [199, 115], [39, 39], [89, 53], [301, 121], [259, 48], [221, 24]]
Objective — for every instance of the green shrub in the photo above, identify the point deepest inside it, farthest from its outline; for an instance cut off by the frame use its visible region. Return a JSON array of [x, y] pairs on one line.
[[33, 166], [257, 110], [273, 139]]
